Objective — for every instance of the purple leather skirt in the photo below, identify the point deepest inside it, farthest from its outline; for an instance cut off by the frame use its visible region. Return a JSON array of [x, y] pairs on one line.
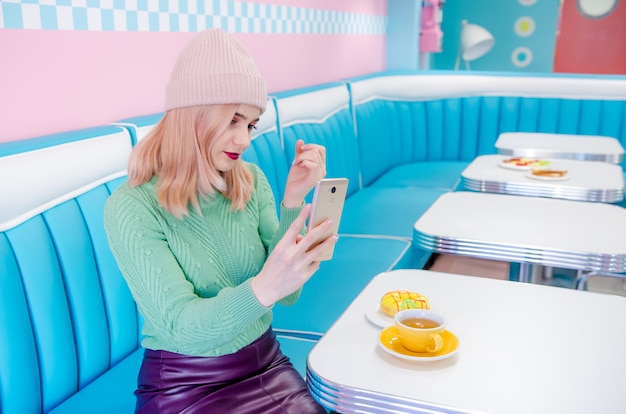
[[256, 379]]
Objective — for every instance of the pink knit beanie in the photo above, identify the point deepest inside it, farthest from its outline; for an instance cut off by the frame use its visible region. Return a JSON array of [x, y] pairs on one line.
[[214, 68]]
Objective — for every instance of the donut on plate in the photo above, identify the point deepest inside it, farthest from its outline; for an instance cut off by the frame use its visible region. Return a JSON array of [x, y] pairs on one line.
[[394, 301]]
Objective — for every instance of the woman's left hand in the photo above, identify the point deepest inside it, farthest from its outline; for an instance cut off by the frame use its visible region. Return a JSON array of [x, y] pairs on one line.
[[309, 166]]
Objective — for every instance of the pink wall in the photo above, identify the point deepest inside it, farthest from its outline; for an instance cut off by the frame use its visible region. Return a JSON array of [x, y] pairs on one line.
[[54, 80]]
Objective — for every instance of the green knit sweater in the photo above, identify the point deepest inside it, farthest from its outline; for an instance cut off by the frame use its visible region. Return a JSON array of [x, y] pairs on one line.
[[190, 277]]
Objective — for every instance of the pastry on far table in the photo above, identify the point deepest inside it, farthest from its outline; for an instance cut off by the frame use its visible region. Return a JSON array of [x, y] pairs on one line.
[[549, 173]]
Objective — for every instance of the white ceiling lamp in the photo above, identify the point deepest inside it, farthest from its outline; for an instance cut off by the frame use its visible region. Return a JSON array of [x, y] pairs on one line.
[[475, 42]]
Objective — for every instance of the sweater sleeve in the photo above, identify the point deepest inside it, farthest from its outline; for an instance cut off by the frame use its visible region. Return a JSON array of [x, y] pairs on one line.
[[271, 228]]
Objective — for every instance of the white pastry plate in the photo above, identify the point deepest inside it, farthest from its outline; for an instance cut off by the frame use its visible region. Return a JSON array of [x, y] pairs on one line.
[[524, 166], [375, 316]]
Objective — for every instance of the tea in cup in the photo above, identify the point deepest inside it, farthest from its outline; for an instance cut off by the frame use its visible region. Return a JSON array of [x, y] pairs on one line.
[[420, 329]]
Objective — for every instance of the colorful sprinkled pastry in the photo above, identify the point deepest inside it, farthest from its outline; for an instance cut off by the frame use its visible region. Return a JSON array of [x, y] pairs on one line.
[[397, 300]]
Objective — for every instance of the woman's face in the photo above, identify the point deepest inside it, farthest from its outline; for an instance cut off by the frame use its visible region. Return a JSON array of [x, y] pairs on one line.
[[229, 146]]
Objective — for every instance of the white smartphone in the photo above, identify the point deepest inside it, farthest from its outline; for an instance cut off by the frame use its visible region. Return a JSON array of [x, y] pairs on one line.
[[328, 200]]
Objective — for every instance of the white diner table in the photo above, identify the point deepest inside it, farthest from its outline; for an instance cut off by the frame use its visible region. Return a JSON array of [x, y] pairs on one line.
[[523, 348], [526, 230], [593, 181], [549, 145]]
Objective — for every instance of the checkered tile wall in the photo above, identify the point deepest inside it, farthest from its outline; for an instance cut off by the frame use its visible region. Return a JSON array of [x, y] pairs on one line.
[[183, 16]]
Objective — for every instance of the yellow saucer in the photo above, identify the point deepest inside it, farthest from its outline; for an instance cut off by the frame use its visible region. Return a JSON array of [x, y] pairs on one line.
[[389, 341]]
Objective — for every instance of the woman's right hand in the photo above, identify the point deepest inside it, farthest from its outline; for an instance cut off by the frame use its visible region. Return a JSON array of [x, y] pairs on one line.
[[293, 260]]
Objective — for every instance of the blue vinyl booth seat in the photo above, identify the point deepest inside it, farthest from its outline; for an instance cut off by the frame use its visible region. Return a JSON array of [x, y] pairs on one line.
[[69, 330], [323, 115], [66, 316]]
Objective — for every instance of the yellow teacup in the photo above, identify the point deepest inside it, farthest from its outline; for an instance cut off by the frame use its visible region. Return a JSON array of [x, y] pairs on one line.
[[420, 329]]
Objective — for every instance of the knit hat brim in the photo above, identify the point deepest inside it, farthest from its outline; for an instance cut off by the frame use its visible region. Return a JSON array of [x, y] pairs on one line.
[[222, 88]]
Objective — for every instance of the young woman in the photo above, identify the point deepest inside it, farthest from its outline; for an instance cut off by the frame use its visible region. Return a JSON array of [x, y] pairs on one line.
[[195, 233]]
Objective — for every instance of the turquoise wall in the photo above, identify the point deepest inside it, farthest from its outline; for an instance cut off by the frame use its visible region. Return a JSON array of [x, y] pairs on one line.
[[403, 34], [511, 22]]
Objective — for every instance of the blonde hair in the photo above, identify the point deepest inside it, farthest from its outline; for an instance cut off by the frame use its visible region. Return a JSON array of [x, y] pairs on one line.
[[178, 152]]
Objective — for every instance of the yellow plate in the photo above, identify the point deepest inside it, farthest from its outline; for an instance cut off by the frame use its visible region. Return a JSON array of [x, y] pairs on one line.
[[389, 341]]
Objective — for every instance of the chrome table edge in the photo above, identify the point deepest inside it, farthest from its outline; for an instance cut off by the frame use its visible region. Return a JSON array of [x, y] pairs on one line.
[[522, 254], [537, 153], [562, 192], [346, 400]]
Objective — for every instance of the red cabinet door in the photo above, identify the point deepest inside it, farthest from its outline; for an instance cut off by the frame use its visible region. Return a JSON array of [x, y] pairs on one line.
[[591, 44]]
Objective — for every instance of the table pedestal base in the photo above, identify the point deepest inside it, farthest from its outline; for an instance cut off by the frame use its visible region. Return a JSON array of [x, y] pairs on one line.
[[530, 273]]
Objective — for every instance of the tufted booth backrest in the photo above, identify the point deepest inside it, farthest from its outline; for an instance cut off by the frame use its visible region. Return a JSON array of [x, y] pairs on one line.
[[322, 115], [64, 318], [455, 117]]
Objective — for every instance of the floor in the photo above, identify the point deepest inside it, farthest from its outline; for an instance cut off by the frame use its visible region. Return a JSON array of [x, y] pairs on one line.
[[470, 266], [495, 269]]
